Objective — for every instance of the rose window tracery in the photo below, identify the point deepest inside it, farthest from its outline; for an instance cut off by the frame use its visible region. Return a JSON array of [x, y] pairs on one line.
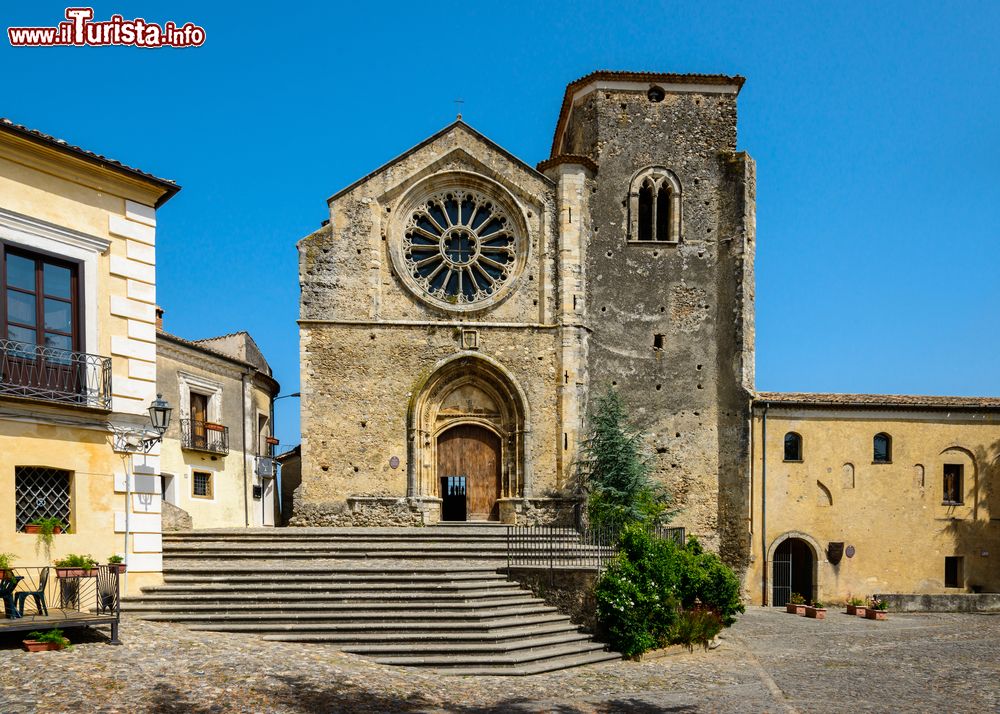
[[460, 246]]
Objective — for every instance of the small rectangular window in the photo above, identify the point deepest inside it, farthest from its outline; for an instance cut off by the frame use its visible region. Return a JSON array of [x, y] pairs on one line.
[[201, 484], [658, 341], [953, 571], [953, 484]]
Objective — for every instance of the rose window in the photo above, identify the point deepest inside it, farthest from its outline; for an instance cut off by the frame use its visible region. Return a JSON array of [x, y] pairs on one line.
[[459, 247]]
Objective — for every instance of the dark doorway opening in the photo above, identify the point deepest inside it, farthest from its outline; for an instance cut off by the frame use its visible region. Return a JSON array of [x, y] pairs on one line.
[[794, 572], [453, 498]]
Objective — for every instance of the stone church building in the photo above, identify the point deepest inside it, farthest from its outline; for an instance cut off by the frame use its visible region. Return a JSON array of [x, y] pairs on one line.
[[460, 307]]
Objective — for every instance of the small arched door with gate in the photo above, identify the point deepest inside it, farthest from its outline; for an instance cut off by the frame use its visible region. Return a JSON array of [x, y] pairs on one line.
[[794, 568], [468, 472]]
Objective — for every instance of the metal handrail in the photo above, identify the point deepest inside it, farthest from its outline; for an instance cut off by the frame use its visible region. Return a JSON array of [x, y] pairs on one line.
[[48, 374], [568, 547]]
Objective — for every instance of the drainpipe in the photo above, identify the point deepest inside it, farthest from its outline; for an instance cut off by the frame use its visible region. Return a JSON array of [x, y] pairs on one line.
[[243, 446], [277, 470], [763, 503], [129, 460]]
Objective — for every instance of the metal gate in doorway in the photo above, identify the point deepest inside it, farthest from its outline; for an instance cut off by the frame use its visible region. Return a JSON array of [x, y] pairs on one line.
[[781, 588]]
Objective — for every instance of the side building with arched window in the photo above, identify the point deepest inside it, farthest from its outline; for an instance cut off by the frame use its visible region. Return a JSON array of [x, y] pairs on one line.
[[895, 494]]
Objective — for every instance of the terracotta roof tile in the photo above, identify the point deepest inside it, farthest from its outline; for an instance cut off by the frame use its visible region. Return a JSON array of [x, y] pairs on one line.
[[650, 77], [169, 187], [878, 400], [567, 159]]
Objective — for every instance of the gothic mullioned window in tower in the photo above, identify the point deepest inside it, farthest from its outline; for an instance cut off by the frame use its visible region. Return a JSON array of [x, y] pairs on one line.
[[654, 206], [461, 244]]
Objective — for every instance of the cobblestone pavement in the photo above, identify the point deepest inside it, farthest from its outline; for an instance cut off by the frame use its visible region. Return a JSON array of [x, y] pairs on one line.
[[769, 661]]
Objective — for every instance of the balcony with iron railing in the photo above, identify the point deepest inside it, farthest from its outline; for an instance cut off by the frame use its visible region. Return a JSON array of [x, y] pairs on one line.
[[50, 375], [197, 435]]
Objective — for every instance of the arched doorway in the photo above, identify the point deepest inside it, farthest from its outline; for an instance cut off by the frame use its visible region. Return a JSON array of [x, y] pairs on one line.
[[468, 430], [794, 571], [469, 457]]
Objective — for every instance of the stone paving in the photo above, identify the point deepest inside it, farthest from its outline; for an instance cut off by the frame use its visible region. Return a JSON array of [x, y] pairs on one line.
[[769, 662]]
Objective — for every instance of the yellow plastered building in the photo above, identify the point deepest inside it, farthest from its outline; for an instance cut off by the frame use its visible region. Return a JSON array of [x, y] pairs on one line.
[[858, 494], [77, 352]]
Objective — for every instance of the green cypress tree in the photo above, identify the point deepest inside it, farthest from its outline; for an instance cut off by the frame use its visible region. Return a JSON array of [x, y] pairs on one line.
[[615, 473]]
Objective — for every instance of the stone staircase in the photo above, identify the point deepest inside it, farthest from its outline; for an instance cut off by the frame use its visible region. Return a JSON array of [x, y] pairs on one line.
[[423, 597]]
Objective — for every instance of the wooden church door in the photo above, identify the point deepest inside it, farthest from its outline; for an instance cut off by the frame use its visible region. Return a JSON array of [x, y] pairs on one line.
[[472, 452]]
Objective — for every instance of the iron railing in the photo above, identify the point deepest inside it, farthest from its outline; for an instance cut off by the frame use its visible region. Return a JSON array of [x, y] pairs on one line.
[[51, 375], [200, 435], [567, 547], [56, 598]]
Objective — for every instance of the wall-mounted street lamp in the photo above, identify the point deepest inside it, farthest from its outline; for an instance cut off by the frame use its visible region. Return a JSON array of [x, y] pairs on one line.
[[133, 439]]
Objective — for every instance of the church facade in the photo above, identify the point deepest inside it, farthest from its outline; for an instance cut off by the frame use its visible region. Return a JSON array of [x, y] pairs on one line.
[[460, 308]]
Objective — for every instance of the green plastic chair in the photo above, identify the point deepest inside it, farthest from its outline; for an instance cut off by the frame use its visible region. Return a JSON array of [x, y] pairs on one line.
[[38, 594]]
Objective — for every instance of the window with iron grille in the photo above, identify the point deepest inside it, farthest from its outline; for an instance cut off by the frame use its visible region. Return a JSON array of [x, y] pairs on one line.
[[41, 492], [201, 484]]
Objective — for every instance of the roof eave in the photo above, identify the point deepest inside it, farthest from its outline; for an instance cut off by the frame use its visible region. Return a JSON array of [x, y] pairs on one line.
[[169, 188]]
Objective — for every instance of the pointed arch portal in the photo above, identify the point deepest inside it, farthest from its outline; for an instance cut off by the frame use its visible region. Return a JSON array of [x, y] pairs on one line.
[[467, 429]]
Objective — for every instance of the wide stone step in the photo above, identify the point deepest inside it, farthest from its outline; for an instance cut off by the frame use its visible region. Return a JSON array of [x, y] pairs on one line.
[[475, 608], [476, 597], [497, 635], [437, 648], [280, 585], [254, 570], [498, 556], [355, 612], [550, 664], [351, 590], [491, 659], [312, 624], [261, 543]]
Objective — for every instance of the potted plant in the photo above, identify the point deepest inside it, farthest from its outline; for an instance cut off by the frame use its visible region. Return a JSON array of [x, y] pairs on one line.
[[116, 562], [6, 569], [76, 566], [44, 530], [816, 611], [45, 641], [856, 606], [877, 610], [796, 604]]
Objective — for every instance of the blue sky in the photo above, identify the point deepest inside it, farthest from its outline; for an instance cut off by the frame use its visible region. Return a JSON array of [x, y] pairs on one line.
[[874, 127]]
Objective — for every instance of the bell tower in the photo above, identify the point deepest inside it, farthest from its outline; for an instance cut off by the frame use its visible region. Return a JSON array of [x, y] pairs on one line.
[[668, 259]]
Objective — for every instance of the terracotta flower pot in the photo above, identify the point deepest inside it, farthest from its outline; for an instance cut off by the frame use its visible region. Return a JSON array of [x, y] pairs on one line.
[[876, 615], [120, 567], [214, 427], [795, 609], [6, 574], [816, 613], [36, 646], [858, 610], [32, 528], [76, 572]]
